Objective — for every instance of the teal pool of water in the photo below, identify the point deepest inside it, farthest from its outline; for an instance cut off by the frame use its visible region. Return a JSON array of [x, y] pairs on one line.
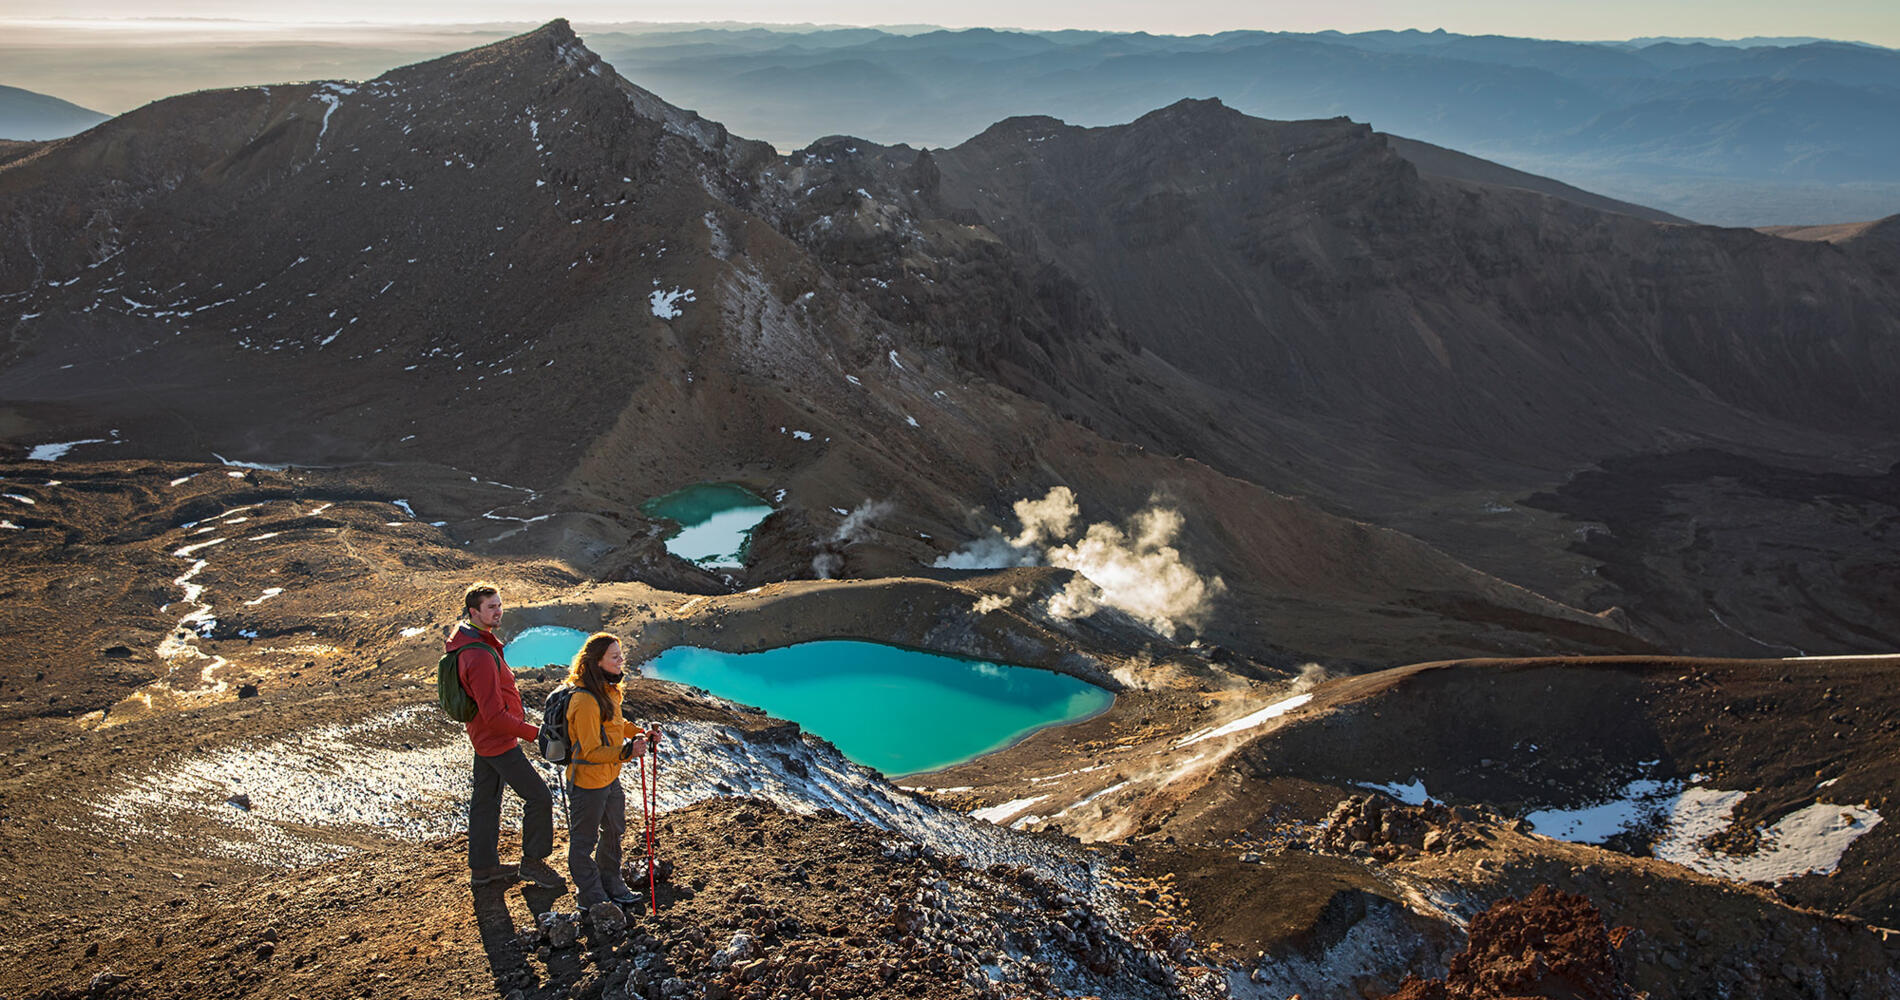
[[894, 709], [715, 522], [542, 645]]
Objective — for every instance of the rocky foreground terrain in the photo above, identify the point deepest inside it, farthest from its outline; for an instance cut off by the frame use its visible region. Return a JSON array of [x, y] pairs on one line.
[[244, 790], [1417, 523]]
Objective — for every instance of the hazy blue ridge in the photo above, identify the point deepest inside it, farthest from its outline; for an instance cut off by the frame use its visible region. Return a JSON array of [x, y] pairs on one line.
[[1725, 133], [28, 115]]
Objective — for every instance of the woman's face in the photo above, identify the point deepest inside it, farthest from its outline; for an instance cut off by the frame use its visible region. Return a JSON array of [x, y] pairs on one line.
[[613, 660]]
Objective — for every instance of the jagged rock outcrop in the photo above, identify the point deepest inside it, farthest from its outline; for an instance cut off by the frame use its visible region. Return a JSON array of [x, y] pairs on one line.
[[1547, 944]]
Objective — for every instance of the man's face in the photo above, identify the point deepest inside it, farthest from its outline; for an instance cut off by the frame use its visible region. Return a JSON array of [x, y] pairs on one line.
[[487, 615]]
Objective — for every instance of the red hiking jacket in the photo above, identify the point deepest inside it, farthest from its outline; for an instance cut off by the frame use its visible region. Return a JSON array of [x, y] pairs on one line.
[[498, 720]]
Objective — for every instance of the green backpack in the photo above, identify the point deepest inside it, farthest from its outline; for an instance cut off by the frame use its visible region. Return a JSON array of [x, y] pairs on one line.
[[448, 688]]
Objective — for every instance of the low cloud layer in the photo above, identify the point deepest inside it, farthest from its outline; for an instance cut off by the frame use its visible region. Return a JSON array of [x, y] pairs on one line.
[[1133, 568]]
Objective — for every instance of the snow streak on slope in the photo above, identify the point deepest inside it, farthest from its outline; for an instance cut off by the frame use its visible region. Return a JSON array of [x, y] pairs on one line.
[[308, 795]]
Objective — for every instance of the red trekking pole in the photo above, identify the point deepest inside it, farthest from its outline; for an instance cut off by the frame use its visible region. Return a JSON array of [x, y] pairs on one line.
[[650, 810]]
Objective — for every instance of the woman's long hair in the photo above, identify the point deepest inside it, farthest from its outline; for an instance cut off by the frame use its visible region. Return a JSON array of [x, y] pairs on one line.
[[585, 672]]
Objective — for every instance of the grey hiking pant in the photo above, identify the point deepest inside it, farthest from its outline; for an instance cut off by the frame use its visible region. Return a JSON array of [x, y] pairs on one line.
[[484, 808], [595, 815]]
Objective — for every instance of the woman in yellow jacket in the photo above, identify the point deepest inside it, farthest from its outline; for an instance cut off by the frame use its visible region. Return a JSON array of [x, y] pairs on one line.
[[597, 808]]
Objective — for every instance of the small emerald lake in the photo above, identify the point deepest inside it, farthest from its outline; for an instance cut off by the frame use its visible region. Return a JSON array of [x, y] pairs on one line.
[[715, 521], [898, 710]]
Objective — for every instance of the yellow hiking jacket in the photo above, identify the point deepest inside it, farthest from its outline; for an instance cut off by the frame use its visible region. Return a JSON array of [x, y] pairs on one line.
[[595, 764]]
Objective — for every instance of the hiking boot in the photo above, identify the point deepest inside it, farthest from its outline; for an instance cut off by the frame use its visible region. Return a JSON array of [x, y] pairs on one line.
[[486, 876], [542, 874]]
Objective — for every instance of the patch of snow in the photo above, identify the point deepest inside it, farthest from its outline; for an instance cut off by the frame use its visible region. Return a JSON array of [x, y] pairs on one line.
[[899, 365], [411, 633], [1643, 801], [1807, 841], [999, 813], [265, 466], [269, 592], [1413, 794], [331, 101], [29, 501], [10, 526], [802, 435], [1384, 934], [665, 302], [1247, 722], [404, 505], [1064, 774], [181, 480], [264, 536], [910, 420], [54, 452], [186, 552]]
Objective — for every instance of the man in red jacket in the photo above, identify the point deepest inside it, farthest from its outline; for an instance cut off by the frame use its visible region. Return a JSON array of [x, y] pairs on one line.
[[499, 722]]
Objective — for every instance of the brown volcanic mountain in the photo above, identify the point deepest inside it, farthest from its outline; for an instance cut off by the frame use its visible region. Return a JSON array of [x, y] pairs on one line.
[[514, 296], [512, 261]]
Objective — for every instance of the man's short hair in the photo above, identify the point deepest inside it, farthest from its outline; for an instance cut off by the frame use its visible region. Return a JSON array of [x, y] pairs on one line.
[[476, 593]]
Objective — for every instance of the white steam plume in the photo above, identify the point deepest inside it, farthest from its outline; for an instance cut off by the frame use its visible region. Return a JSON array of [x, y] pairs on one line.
[[826, 565], [1137, 571], [1311, 676], [992, 551], [990, 602], [855, 524], [854, 528], [1048, 518]]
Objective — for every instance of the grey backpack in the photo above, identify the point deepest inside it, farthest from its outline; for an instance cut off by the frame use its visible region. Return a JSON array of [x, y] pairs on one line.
[[556, 743]]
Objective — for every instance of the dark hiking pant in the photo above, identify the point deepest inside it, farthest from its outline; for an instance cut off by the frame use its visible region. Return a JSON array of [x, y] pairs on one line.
[[484, 808], [595, 815]]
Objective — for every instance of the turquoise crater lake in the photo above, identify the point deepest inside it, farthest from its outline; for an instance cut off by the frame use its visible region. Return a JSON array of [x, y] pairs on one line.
[[715, 522], [898, 710]]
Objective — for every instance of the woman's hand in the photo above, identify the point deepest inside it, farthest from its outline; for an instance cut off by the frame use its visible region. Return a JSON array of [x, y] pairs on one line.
[[633, 747]]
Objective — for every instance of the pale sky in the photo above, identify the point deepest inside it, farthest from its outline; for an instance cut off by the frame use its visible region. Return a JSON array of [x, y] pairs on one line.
[[1876, 21]]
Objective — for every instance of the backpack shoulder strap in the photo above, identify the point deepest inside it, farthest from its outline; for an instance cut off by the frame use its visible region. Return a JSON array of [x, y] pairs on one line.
[[459, 650], [599, 703], [602, 702]]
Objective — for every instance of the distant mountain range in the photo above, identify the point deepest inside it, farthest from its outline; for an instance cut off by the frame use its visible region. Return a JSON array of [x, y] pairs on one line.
[[1724, 134], [1781, 131], [25, 115]]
